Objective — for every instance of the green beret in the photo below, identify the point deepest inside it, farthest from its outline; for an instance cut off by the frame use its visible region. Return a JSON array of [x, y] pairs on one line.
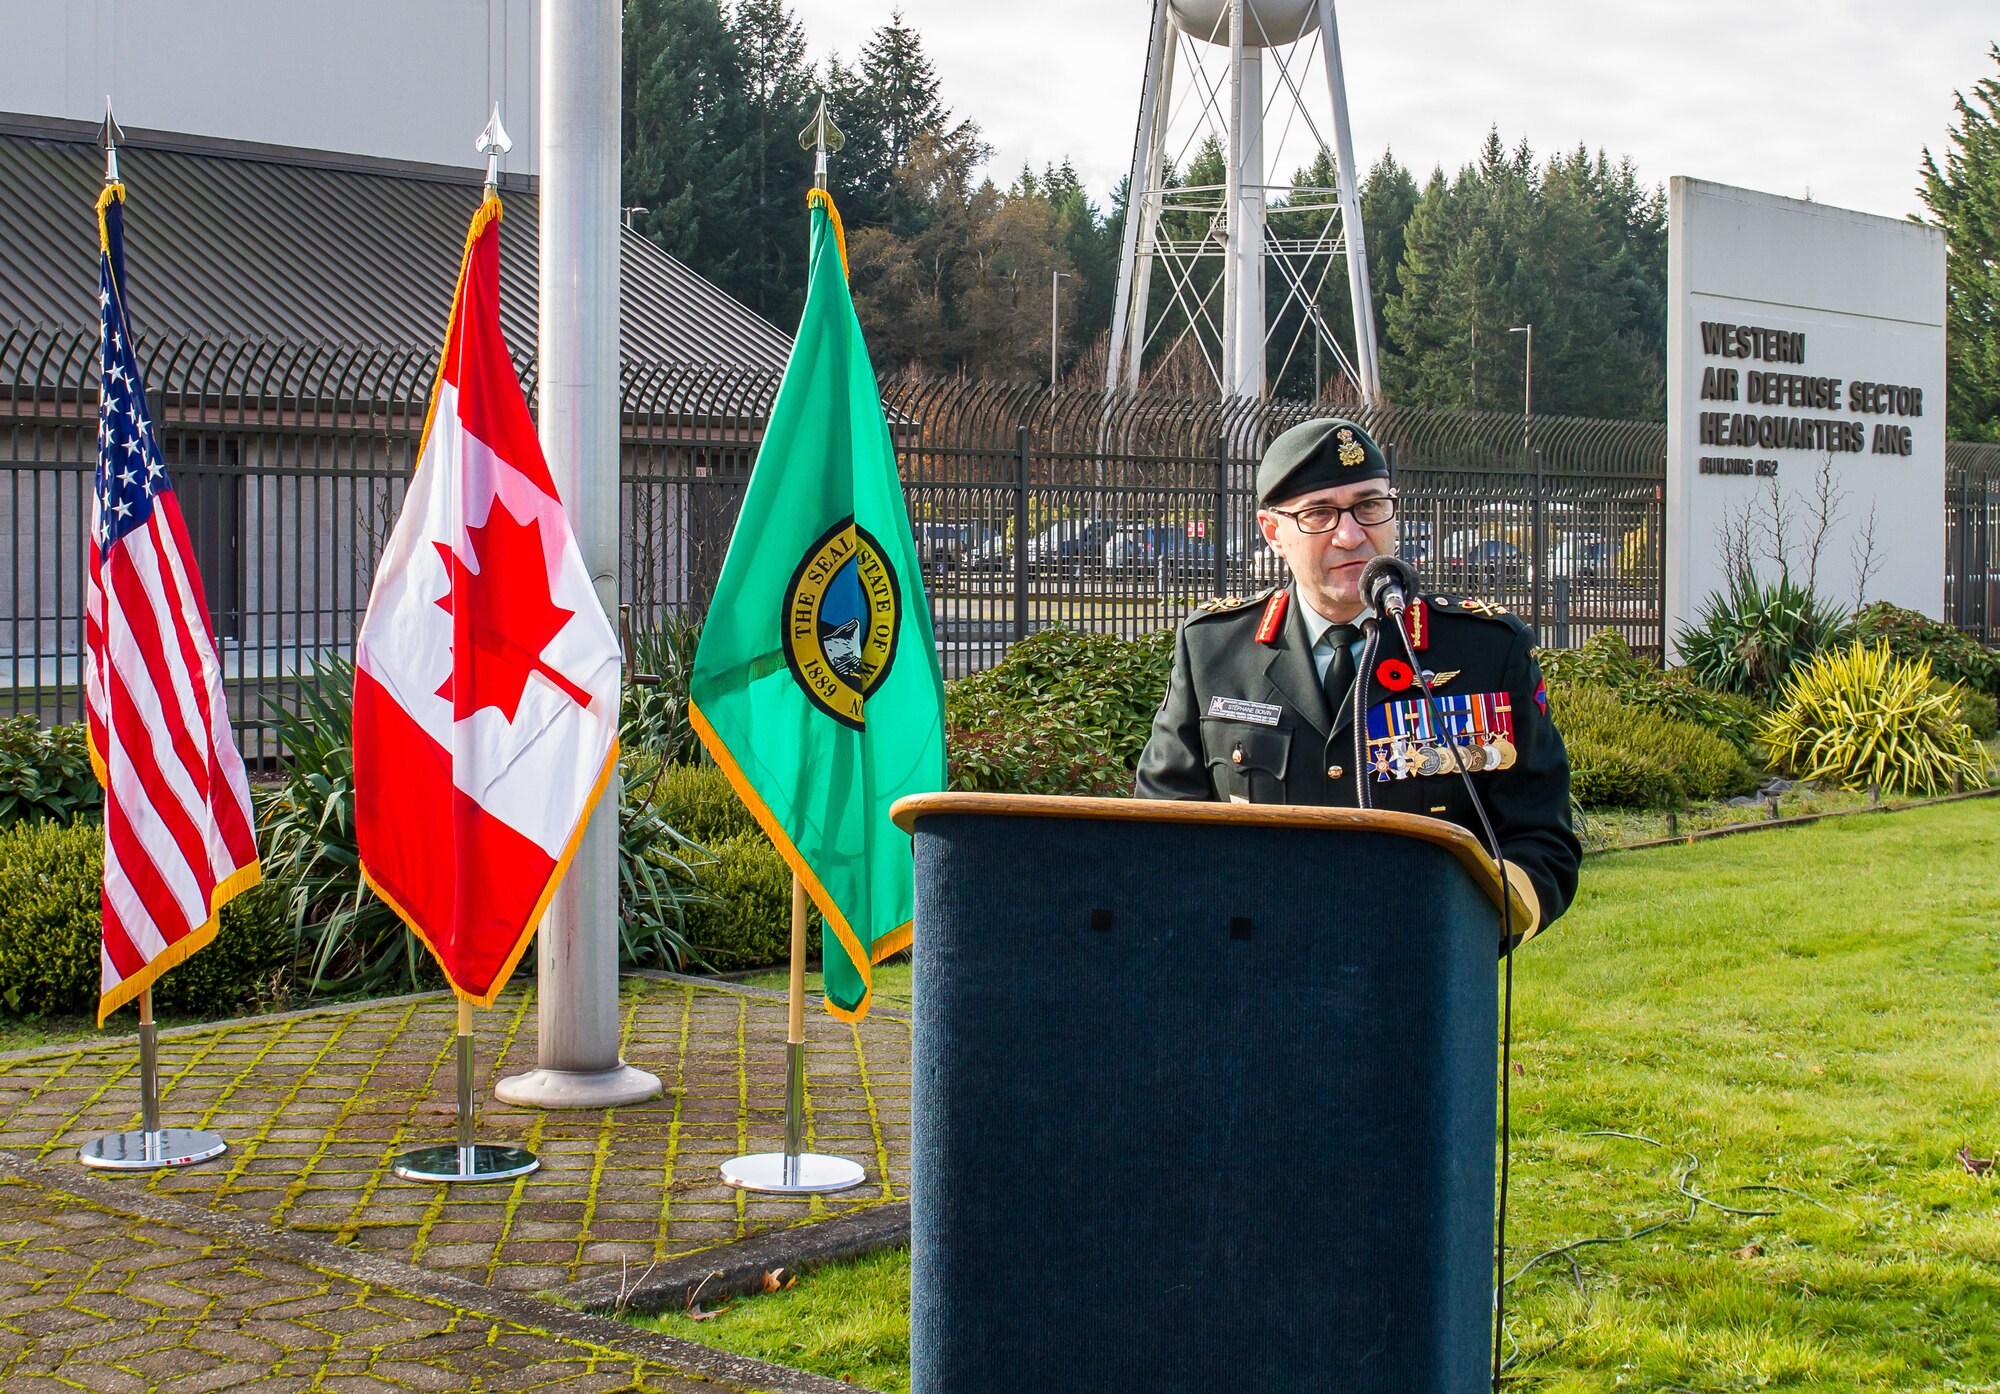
[[1318, 455]]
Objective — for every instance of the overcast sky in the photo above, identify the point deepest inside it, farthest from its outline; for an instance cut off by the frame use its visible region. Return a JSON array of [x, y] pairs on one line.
[[1832, 97]]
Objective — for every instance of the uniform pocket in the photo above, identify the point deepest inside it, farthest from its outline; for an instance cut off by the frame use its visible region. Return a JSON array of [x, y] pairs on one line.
[[1246, 762]]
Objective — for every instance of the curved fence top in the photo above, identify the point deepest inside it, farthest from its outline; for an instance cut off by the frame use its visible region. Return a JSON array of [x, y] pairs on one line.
[[388, 386]]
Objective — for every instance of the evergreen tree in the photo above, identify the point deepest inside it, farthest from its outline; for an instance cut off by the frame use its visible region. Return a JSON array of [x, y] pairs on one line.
[[1964, 200], [778, 92], [1576, 249], [683, 134], [886, 106]]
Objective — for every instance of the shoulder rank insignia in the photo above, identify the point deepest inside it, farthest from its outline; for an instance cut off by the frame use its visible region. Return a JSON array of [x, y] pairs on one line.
[[1273, 622], [1417, 623], [1218, 604], [1491, 609]]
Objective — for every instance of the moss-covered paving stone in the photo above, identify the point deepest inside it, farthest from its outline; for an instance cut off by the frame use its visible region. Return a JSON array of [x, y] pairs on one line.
[[316, 1106], [99, 1299]]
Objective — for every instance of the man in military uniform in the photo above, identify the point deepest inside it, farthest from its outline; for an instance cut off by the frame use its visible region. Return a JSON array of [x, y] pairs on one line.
[[1266, 706]]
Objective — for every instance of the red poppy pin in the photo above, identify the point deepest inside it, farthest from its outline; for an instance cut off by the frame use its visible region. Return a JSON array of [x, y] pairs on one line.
[[1394, 674]]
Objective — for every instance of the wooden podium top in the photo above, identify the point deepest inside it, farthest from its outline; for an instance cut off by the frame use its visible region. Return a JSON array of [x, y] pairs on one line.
[[1454, 839]]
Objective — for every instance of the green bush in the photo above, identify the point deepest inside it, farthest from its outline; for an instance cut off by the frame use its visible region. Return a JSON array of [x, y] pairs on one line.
[[45, 773], [1860, 715], [1749, 638], [699, 802], [1063, 713], [1615, 776], [1978, 711], [51, 929], [1035, 754], [1954, 656], [1104, 688], [745, 917], [1606, 661], [1626, 756]]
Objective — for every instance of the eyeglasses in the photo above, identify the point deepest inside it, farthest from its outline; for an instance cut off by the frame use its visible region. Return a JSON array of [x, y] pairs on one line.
[[1325, 517]]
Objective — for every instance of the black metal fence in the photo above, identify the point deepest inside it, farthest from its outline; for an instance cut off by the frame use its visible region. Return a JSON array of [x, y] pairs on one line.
[[1030, 507], [1972, 539]]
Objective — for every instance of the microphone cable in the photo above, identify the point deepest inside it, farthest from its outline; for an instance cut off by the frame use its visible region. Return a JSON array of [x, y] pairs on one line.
[[1394, 609]]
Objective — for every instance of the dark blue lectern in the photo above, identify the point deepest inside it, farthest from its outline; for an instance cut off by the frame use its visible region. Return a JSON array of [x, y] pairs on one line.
[[1203, 1099]]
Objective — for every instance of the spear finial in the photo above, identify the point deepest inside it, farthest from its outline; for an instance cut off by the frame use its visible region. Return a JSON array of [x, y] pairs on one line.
[[109, 137], [493, 142], [822, 137]]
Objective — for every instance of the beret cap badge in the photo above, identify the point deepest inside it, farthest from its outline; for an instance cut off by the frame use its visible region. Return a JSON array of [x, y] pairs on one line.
[[1351, 453]]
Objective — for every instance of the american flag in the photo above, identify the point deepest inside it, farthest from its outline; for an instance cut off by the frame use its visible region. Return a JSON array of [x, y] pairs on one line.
[[178, 838]]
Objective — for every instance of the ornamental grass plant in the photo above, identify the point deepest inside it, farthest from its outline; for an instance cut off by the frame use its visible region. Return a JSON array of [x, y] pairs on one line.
[[1860, 715], [1750, 637]]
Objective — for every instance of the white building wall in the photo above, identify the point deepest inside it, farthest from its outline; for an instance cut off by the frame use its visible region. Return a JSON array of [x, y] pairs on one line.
[[395, 79], [1867, 294]]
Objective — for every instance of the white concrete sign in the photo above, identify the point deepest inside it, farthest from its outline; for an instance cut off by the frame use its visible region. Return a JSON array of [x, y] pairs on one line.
[[1805, 399]]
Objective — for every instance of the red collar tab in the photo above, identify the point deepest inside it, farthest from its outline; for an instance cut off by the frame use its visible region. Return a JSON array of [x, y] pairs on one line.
[[1274, 617], [1417, 623]]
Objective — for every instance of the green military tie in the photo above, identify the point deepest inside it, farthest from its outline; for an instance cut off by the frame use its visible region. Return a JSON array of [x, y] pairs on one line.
[[1340, 668]]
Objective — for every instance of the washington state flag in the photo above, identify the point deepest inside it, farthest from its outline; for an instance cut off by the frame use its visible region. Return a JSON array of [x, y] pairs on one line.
[[816, 683]]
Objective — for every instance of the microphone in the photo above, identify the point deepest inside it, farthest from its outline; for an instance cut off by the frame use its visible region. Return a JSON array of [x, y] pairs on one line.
[[1387, 583]]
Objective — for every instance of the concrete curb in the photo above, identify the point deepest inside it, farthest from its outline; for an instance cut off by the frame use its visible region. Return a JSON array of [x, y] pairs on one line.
[[736, 1269], [534, 1313], [1797, 820]]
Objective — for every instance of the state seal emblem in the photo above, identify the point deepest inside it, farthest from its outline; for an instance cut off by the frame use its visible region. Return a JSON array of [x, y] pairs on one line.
[[843, 613]]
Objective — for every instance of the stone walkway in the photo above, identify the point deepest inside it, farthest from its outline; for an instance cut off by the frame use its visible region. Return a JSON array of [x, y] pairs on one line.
[[315, 1106]]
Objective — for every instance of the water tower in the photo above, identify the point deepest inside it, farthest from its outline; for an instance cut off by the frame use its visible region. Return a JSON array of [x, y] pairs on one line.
[[1246, 74]]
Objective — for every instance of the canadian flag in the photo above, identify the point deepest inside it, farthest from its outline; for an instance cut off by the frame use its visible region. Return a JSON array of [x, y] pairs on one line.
[[486, 673]]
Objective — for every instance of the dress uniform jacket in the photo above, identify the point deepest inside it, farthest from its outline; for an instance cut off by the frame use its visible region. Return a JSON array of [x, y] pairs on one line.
[[1245, 720]]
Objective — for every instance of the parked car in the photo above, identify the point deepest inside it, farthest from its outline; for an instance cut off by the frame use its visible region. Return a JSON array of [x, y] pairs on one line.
[[1135, 550], [1475, 563], [1067, 547], [1580, 555], [945, 546]]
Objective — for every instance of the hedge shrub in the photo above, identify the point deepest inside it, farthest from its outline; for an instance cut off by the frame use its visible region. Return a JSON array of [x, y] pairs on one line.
[[1954, 656], [1979, 712], [51, 885], [45, 773], [1063, 713], [1626, 756], [1606, 661], [698, 801], [745, 917]]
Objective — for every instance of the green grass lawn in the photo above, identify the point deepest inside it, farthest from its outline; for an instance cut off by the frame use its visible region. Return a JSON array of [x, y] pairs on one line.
[[1807, 1019]]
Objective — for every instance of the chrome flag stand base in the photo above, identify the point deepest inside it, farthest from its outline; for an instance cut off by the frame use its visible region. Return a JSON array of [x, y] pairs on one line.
[[792, 1172], [151, 1146], [465, 1160]]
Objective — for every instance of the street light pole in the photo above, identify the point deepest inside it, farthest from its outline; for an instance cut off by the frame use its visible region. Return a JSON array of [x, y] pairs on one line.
[[1056, 278], [1527, 390]]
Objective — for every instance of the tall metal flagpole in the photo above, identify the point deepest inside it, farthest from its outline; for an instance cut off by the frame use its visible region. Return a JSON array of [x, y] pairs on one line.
[[150, 1146], [796, 1171], [576, 954], [463, 1159]]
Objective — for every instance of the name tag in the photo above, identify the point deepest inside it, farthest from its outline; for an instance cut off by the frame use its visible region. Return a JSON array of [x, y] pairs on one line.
[[1237, 709]]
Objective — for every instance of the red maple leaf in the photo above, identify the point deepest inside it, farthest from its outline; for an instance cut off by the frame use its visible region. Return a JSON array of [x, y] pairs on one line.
[[502, 618]]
